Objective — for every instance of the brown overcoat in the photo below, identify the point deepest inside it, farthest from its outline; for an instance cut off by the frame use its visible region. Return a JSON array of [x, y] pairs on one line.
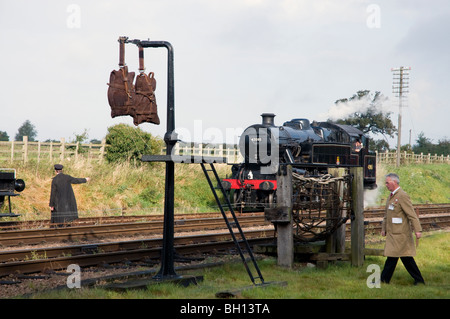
[[399, 221]]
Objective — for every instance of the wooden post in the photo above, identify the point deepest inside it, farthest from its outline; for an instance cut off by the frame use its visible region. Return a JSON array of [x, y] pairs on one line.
[[102, 150], [39, 152], [285, 235], [77, 147], [25, 148], [12, 151], [51, 152], [357, 225], [62, 149], [89, 155]]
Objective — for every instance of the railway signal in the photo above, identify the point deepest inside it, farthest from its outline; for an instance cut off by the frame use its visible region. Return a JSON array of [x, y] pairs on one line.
[[9, 184]]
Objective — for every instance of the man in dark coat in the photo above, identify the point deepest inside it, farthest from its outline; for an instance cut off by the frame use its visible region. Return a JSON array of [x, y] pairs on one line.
[[62, 198]]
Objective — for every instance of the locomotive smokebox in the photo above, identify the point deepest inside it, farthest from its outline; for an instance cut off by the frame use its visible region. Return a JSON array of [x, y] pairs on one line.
[[267, 119]]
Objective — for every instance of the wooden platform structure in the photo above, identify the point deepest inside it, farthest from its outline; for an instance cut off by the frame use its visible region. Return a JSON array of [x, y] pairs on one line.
[[333, 248]]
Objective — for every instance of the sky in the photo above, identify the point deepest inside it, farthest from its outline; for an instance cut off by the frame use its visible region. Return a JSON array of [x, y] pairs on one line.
[[234, 60]]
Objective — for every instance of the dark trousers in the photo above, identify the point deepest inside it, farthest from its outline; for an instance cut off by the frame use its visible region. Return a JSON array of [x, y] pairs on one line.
[[408, 262]]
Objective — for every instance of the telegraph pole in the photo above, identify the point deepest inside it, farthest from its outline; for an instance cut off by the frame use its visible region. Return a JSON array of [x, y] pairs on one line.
[[400, 86]]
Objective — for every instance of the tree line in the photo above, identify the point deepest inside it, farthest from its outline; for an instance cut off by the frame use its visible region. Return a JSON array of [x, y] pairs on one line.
[[28, 129]]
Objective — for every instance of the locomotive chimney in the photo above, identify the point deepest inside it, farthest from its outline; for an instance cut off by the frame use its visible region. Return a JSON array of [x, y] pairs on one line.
[[267, 119]]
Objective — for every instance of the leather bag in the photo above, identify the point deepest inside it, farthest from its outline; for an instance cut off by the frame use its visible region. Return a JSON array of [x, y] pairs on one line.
[[145, 102], [120, 91], [125, 98]]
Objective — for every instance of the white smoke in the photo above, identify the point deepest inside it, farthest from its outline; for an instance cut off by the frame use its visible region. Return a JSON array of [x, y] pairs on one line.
[[371, 197], [343, 110]]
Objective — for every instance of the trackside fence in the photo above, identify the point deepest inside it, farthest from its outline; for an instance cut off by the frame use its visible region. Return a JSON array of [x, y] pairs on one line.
[[50, 151], [59, 151], [411, 158]]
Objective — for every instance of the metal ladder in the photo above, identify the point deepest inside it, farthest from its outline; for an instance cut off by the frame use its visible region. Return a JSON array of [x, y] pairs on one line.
[[232, 225]]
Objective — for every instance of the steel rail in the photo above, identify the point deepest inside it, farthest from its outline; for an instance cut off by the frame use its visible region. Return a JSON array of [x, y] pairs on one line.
[[35, 236], [95, 232], [86, 221], [370, 212], [97, 254]]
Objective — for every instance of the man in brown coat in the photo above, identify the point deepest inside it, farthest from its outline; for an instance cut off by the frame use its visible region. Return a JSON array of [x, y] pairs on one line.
[[397, 222]]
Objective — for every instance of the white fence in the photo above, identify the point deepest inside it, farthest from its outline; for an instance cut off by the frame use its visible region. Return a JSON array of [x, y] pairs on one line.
[[26, 150], [230, 152], [411, 158]]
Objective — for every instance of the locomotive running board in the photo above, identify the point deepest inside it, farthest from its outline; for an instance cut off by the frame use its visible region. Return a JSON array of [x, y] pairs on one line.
[[247, 249]]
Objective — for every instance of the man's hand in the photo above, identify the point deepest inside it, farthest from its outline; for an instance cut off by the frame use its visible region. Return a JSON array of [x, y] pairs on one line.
[[418, 235]]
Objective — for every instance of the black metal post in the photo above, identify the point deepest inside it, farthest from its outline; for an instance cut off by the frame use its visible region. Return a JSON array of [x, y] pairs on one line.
[[167, 270]]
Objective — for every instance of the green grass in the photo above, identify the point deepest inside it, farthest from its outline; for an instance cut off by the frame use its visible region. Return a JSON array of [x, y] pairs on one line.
[[339, 281], [425, 183]]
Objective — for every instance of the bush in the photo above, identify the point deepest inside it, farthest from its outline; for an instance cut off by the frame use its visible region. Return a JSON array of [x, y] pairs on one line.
[[127, 143]]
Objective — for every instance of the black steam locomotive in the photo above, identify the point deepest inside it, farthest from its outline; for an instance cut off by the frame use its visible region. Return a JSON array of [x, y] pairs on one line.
[[311, 148]]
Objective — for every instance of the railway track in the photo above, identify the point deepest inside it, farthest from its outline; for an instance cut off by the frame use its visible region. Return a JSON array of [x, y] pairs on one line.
[[92, 221], [97, 232], [425, 209], [97, 229], [44, 259], [37, 259], [372, 212]]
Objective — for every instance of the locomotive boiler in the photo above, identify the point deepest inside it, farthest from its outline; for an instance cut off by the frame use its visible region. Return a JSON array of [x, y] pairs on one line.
[[311, 148]]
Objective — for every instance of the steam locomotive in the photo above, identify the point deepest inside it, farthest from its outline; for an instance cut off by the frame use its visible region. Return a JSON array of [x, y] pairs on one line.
[[311, 148]]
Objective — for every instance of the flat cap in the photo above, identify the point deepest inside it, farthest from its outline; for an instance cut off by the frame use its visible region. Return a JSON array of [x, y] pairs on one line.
[[58, 167]]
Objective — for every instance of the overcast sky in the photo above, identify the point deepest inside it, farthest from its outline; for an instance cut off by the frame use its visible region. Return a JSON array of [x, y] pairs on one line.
[[234, 60]]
